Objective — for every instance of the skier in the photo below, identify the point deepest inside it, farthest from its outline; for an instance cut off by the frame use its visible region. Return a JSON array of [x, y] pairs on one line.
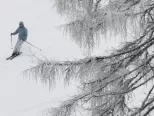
[[22, 36]]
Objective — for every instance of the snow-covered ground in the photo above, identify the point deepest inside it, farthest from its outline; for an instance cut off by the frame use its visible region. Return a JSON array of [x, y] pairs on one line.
[[21, 96]]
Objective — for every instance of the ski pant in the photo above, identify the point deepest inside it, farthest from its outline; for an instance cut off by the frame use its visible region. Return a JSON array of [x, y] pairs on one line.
[[18, 46]]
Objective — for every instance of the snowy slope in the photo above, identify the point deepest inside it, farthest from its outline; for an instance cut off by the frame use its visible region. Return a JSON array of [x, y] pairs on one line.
[[21, 96]]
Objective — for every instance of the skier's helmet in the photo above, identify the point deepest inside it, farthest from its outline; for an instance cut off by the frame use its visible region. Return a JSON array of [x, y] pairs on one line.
[[21, 23]]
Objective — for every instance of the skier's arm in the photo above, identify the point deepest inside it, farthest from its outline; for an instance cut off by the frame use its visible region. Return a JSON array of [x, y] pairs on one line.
[[14, 33], [26, 33]]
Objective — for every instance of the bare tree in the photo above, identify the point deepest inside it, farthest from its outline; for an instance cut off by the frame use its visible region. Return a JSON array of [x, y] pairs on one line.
[[106, 81]]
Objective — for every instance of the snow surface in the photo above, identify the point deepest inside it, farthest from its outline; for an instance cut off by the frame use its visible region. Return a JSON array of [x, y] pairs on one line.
[[21, 96], [24, 96]]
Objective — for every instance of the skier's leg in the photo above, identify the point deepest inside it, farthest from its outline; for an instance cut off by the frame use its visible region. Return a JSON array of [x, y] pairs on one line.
[[15, 48], [19, 46]]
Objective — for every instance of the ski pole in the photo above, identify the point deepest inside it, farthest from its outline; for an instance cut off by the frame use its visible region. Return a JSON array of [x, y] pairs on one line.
[[11, 42], [33, 45]]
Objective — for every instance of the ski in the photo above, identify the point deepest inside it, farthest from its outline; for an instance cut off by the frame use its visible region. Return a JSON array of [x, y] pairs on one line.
[[12, 57], [15, 56], [8, 58]]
